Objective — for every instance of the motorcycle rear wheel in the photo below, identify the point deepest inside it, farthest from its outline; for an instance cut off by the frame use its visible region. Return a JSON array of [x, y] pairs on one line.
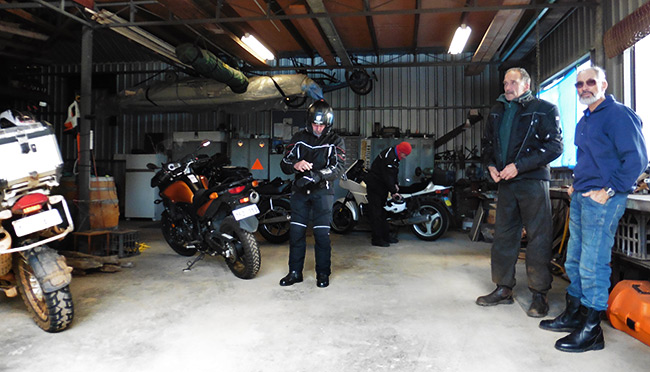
[[174, 238], [434, 229], [342, 218], [52, 312], [246, 261], [275, 232]]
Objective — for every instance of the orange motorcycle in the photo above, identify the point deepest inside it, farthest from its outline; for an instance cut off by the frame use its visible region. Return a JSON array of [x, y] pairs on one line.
[[213, 220]]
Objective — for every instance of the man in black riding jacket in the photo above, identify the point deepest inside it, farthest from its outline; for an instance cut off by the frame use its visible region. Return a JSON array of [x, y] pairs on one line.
[[380, 180], [316, 156], [521, 138]]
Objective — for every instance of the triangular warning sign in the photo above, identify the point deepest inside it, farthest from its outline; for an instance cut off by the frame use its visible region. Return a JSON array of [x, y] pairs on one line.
[[257, 165]]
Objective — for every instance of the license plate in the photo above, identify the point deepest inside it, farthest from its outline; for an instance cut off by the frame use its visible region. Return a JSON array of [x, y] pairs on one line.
[[247, 211], [447, 202], [37, 222]]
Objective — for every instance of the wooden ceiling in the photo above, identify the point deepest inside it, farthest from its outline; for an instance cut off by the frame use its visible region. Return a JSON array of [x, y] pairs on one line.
[[344, 33]]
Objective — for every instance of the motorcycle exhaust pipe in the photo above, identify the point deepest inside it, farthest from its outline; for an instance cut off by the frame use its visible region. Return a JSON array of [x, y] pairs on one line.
[[411, 221], [285, 218]]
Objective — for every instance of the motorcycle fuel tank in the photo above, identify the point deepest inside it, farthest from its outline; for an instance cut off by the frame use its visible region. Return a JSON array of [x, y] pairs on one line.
[[179, 192]]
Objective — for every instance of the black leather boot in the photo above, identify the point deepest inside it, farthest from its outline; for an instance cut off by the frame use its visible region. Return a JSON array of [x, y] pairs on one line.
[[501, 295], [292, 278], [539, 307], [322, 280], [588, 337], [568, 321]]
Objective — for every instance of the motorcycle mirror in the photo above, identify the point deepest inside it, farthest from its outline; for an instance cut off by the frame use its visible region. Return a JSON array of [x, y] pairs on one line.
[[152, 166]]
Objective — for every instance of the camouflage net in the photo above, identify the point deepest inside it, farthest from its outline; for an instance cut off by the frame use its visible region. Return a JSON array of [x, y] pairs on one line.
[[628, 31]]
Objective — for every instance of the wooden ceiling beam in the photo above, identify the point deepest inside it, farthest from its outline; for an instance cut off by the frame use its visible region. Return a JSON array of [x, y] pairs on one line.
[[496, 35], [311, 32]]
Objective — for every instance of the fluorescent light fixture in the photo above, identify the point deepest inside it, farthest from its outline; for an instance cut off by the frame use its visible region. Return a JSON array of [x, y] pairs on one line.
[[460, 39], [257, 47]]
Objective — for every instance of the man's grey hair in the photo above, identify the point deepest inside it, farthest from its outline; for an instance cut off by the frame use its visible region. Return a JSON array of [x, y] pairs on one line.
[[600, 73], [525, 76]]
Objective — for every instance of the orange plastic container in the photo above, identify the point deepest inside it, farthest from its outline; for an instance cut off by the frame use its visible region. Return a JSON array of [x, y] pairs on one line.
[[629, 308]]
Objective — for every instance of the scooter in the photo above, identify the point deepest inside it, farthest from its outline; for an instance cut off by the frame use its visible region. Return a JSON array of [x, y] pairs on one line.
[[213, 220], [30, 218], [423, 206]]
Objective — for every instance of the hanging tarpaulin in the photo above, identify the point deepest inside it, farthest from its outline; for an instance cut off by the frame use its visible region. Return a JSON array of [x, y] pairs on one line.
[[208, 65], [262, 93]]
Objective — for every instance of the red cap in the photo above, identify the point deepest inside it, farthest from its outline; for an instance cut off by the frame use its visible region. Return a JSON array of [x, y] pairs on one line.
[[404, 147]]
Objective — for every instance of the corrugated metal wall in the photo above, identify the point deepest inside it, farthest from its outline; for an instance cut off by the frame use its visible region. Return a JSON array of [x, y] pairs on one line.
[[583, 32], [420, 100]]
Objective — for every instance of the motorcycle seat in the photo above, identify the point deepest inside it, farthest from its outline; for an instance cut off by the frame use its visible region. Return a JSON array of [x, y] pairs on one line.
[[410, 189]]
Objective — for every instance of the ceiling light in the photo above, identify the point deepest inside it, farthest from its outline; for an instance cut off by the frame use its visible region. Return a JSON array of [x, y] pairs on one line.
[[460, 39], [257, 47]]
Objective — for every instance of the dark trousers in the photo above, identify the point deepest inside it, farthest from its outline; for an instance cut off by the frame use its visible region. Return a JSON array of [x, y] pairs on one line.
[[379, 227], [523, 203], [319, 204]]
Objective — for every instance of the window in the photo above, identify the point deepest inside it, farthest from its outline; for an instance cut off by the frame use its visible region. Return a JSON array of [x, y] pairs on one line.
[[641, 79], [562, 92]]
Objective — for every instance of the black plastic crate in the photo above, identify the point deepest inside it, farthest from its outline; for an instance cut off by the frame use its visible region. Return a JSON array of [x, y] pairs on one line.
[[632, 235], [124, 243]]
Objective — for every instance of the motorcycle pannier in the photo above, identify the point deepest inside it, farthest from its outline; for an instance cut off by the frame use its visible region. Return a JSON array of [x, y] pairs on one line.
[[30, 154], [629, 308]]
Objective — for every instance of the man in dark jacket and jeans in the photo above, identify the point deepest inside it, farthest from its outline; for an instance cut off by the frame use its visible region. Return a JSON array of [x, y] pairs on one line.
[[316, 156], [521, 138]]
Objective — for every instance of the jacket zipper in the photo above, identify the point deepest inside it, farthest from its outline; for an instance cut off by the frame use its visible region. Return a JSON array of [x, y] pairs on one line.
[[523, 143]]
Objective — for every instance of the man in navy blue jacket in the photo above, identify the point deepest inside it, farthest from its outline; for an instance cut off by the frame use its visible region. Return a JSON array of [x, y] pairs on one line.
[[611, 156]]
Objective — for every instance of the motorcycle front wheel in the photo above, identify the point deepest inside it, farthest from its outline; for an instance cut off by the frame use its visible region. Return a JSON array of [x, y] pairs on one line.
[[174, 237], [437, 224], [246, 260], [52, 312], [342, 218], [275, 232]]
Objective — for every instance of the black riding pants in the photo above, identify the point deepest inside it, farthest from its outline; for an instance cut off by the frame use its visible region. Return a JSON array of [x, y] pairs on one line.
[[379, 227], [523, 203], [319, 204]]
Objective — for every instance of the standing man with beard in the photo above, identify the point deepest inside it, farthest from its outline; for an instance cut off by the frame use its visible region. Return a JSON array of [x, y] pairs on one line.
[[611, 155], [522, 137], [316, 156]]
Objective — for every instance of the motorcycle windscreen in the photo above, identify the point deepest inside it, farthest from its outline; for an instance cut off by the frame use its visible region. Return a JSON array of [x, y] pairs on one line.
[[179, 192]]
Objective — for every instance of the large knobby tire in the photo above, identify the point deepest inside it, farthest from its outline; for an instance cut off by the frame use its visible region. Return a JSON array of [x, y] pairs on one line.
[[54, 311], [174, 236], [246, 260], [275, 232], [438, 224], [342, 218]]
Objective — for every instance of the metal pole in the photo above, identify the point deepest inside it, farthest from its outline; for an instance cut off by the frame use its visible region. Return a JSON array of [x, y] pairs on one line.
[[84, 127]]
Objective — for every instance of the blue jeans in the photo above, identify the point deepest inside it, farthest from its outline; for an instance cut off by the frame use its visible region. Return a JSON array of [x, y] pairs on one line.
[[592, 227]]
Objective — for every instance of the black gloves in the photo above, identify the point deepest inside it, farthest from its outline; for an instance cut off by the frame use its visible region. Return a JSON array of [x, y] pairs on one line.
[[308, 179]]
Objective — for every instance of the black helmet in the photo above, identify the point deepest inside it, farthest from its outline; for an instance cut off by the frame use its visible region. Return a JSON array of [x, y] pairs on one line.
[[320, 112]]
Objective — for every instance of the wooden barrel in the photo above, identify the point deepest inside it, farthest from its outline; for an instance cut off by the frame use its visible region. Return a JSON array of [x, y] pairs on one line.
[[104, 207]]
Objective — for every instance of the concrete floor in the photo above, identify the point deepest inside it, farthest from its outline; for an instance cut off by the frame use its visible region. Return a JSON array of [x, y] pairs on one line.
[[405, 308]]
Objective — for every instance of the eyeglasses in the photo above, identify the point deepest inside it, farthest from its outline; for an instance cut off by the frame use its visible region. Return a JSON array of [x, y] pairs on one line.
[[589, 82]]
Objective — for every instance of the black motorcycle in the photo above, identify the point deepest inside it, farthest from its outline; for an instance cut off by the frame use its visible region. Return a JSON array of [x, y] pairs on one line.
[[213, 220], [275, 209], [274, 204]]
